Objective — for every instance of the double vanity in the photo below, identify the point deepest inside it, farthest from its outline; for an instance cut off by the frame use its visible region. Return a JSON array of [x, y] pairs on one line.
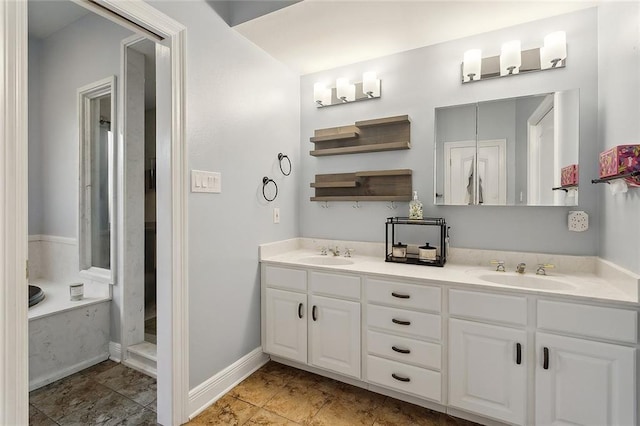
[[489, 346]]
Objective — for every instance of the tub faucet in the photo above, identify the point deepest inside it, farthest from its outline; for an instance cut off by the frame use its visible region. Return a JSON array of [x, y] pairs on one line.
[[520, 267], [336, 251]]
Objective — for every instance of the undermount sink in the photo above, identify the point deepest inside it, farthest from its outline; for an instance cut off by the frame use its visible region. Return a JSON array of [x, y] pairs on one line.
[[534, 282], [326, 260]]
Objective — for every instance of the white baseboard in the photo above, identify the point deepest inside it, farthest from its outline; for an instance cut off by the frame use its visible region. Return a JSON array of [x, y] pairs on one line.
[[41, 381], [208, 392], [115, 352]]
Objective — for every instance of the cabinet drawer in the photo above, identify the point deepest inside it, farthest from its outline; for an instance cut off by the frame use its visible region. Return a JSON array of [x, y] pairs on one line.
[[403, 295], [591, 321], [417, 324], [489, 307], [404, 378], [403, 349], [292, 279], [347, 286]]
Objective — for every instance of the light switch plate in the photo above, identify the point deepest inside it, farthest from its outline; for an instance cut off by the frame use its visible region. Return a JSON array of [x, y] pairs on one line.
[[578, 221], [202, 181]]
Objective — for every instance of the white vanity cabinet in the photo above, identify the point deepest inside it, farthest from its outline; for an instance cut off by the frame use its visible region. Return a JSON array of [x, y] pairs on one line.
[[313, 318], [403, 335], [487, 362], [285, 311], [581, 381]]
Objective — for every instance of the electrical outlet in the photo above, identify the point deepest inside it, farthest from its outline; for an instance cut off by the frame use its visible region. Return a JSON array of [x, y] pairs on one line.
[[276, 215]]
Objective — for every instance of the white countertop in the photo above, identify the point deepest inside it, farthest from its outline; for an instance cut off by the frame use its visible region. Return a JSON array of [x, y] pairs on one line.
[[579, 285]]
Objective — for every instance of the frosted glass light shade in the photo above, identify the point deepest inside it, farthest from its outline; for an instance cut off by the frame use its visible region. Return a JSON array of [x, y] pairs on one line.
[[510, 58], [555, 48], [319, 94], [370, 84], [345, 91], [472, 65]]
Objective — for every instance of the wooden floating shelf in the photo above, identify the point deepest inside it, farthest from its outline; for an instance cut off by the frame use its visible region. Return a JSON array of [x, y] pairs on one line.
[[392, 146], [382, 134], [363, 198], [346, 184], [341, 136], [383, 121], [369, 185]]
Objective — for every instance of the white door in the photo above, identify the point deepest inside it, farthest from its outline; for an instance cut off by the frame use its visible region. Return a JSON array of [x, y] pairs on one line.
[[459, 160], [487, 370], [286, 329], [334, 327], [584, 382]]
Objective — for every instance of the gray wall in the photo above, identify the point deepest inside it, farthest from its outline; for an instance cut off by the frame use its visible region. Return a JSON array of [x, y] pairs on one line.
[[36, 212], [79, 54], [242, 110], [618, 124], [417, 81]]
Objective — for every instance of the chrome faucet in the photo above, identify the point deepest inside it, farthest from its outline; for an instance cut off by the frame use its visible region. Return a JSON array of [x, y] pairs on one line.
[[499, 265], [336, 251], [323, 251], [520, 267], [542, 267]]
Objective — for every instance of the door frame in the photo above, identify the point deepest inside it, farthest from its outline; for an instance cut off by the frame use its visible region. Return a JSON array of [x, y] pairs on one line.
[[173, 352], [533, 150]]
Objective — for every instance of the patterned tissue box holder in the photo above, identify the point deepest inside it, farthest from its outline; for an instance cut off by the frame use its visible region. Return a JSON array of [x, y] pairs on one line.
[[569, 175]]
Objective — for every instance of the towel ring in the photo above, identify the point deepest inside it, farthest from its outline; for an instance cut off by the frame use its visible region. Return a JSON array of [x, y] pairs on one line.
[[281, 157], [265, 182]]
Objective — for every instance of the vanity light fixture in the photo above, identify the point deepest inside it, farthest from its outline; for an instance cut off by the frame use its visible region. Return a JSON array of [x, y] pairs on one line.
[[346, 92], [371, 84], [321, 94], [554, 50], [513, 60], [510, 58], [472, 65]]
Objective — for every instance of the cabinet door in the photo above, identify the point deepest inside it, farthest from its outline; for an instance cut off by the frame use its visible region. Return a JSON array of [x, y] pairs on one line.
[[584, 382], [286, 328], [334, 327], [486, 374]]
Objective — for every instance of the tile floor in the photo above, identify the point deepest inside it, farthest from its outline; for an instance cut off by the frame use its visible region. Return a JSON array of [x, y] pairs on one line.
[[280, 395], [105, 394], [112, 394]]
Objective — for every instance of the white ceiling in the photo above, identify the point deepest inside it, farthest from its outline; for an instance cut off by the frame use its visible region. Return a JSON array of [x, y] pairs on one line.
[[315, 35]]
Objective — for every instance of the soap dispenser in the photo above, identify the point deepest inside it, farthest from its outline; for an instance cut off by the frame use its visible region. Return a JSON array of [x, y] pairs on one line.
[[415, 207]]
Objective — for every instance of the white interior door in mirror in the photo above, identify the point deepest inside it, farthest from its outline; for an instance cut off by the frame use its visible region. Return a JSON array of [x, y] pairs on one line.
[[459, 170]]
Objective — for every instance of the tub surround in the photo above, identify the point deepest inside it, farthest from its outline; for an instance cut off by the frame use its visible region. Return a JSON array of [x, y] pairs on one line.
[[65, 336], [591, 277]]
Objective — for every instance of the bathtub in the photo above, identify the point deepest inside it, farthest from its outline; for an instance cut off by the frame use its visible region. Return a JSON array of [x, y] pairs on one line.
[[67, 336]]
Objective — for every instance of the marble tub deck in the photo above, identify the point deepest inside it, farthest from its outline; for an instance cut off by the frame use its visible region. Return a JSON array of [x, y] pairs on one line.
[[280, 395]]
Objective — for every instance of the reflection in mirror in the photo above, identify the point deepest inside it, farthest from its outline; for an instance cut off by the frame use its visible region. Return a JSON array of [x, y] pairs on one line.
[[508, 151], [96, 178]]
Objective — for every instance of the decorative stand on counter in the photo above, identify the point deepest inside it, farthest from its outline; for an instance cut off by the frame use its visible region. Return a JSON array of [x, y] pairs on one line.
[[414, 259]]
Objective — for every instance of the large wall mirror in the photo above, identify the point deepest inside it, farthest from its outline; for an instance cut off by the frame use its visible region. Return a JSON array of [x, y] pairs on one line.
[[507, 152]]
